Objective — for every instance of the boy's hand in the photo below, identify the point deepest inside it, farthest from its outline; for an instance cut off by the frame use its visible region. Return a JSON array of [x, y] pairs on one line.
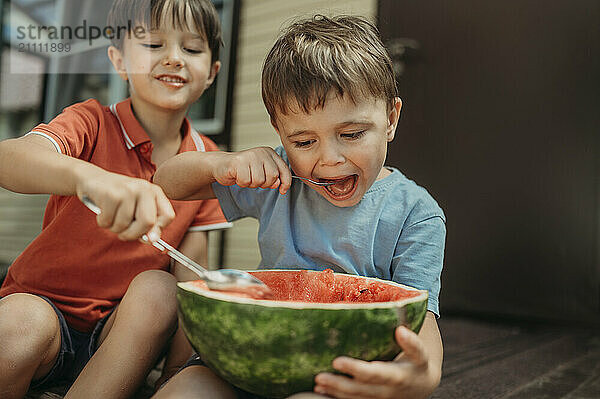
[[409, 376], [129, 206], [255, 168]]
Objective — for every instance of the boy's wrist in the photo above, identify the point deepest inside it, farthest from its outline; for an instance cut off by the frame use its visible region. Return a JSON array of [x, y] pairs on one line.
[[82, 175], [219, 164]]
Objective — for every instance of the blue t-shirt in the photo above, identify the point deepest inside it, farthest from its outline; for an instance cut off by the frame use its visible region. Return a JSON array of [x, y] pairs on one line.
[[396, 232]]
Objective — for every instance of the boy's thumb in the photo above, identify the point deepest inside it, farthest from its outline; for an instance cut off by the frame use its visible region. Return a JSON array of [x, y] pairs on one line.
[[154, 234]]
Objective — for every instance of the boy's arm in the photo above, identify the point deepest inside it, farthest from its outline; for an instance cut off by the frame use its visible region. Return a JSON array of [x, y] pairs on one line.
[[188, 176], [31, 165], [130, 207], [432, 339]]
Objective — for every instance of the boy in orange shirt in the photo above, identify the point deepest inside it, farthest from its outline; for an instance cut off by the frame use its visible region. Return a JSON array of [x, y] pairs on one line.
[[86, 304]]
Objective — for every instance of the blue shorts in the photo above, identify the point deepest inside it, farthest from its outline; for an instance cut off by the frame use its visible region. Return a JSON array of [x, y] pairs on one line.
[[76, 349]]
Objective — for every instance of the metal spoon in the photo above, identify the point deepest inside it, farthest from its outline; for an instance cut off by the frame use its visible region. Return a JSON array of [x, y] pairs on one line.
[[221, 280], [318, 183]]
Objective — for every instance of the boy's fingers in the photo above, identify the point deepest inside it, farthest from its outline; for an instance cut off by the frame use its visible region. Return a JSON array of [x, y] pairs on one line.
[[243, 176], [271, 175], [107, 215], [344, 387], [123, 216], [412, 347], [144, 217], [276, 184], [164, 210], [135, 230], [285, 176], [257, 175], [370, 372], [154, 234]]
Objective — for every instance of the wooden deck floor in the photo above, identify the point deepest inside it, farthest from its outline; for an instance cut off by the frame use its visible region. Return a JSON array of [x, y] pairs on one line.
[[492, 360], [484, 359]]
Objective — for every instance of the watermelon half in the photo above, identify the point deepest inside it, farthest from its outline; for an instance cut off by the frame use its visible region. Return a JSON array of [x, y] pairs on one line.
[[276, 347]]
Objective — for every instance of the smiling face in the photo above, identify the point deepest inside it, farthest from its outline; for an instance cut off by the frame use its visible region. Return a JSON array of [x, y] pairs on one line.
[[167, 68], [342, 142]]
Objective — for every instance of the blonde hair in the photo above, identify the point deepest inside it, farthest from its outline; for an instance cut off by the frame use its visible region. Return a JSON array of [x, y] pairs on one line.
[[313, 57]]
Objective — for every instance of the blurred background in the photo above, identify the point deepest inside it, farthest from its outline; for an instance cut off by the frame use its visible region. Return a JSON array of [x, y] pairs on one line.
[[500, 123]]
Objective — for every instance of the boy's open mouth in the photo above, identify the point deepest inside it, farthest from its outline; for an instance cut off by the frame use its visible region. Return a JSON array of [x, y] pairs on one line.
[[342, 188]]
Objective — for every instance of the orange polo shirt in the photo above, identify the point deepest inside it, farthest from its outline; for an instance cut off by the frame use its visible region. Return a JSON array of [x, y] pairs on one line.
[[82, 268]]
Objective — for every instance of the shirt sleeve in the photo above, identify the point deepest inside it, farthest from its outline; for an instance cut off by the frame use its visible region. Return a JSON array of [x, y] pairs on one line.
[[238, 202], [419, 258], [74, 131], [209, 217]]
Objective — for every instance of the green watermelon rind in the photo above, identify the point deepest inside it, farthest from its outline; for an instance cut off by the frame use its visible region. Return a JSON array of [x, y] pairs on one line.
[[272, 349]]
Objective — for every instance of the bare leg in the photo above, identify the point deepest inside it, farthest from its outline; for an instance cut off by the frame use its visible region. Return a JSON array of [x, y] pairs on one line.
[[132, 339], [29, 342], [196, 382], [179, 352]]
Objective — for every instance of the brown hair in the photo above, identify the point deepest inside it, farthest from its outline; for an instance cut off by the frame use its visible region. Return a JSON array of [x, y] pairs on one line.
[[156, 13], [312, 57]]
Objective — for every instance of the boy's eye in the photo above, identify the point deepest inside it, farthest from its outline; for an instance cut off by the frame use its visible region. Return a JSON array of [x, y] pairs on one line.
[[193, 50], [152, 45], [303, 143], [353, 135]]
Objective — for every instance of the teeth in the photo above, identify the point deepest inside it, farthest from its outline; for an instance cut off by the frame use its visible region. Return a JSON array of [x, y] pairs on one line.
[[341, 187], [170, 80]]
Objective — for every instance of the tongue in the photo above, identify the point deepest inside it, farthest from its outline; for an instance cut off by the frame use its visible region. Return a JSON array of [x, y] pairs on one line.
[[342, 187]]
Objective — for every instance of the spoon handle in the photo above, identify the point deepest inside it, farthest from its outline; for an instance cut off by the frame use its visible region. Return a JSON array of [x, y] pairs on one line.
[[318, 183], [163, 246], [160, 244]]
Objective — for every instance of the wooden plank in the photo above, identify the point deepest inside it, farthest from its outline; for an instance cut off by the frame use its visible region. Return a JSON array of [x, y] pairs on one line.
[[493, 360], [577, 379]]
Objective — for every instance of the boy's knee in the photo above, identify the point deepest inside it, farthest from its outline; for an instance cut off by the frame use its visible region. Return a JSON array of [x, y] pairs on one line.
[[27, 322], [154, 292]]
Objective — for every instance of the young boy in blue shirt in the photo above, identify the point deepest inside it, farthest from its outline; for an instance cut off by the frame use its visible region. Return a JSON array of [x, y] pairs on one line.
[[329, 88], [86, 305]]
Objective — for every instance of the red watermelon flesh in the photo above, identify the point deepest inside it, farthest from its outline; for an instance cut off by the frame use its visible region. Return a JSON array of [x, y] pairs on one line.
[[326, 287]]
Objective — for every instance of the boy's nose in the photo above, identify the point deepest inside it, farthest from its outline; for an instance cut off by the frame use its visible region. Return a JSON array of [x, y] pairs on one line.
[[173, 59], [173, 62], [331, 155]]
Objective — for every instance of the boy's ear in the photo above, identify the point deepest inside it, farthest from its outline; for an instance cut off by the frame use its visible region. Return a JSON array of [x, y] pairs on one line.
[[393, 118], [116, 58], [214, 70]]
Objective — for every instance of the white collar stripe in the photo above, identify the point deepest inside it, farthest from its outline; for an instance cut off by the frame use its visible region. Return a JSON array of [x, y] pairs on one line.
[[197, 140], [128, 142], [49, 138], [208, 227]]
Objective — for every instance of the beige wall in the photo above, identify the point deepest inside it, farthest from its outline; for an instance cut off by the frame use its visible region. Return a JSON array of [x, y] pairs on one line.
[[260, 23], [20, 221]]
